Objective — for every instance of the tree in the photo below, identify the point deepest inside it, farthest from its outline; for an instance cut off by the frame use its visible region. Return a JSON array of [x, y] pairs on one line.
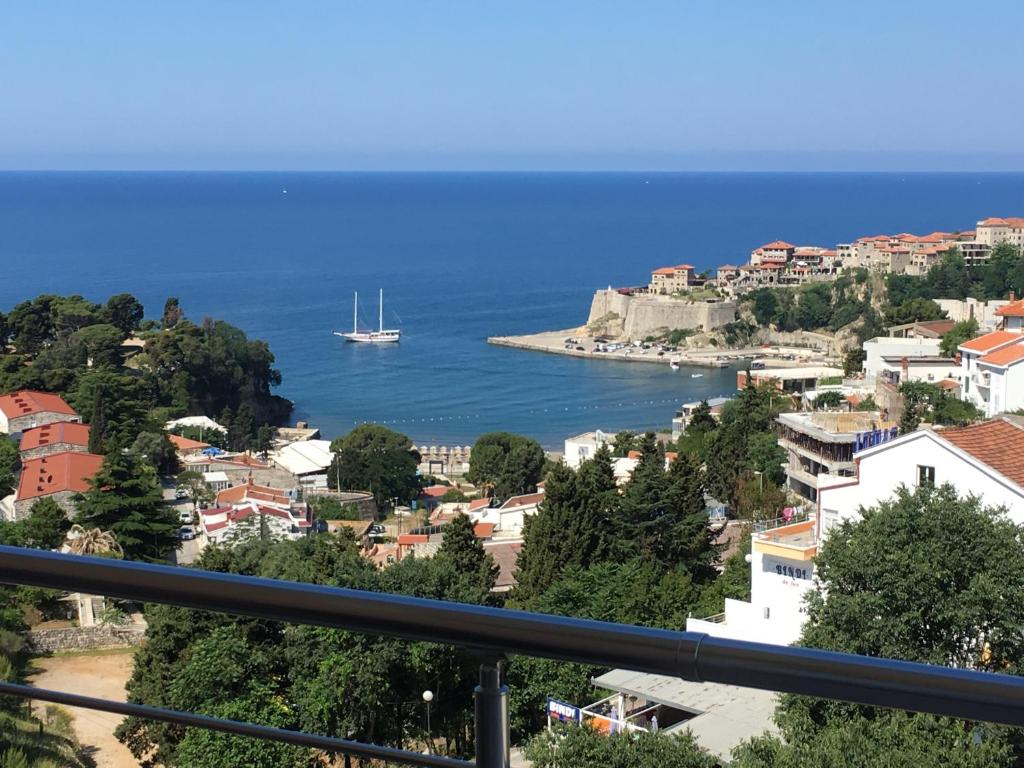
[[960, 333], [124, 312], [125, 498], [113, 405], [507, 464], [581, 747], [10, 463], [158, 450], [196, 488], [172, 313], [375, 459], [46, 525], [100, 345], [853, 362], [913, 311], [466, 553], [264, 440], [624, 442], [573, 526], [956, 599], [830, 399], [701, 420]]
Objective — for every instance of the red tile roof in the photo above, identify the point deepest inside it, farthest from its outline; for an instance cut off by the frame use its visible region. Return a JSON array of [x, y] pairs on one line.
[[483, 530], [683, 266], [777, 245], [434, 491], [949, 384], [26, 402], [59, 433], [67, 471], [991, 341], [998, 443], [1013, 309], [1004, 357], [1009, 221], [525, 500], [184, 444], [663, 271], [251, 491], [479, 504], [413, 538]]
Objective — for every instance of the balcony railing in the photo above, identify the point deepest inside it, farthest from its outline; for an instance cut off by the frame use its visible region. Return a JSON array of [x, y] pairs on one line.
[[494, 633]]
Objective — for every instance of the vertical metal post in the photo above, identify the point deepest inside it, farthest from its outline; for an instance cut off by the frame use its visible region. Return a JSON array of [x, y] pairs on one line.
[[491, 708]]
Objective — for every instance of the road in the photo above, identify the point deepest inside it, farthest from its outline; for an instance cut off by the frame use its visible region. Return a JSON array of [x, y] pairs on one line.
[[101, 674]]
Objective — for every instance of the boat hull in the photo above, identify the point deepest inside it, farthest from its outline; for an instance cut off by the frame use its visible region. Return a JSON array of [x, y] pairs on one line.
[[373, 337]]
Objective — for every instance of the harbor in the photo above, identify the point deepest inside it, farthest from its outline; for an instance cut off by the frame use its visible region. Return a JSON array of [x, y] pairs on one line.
[[573, 343]]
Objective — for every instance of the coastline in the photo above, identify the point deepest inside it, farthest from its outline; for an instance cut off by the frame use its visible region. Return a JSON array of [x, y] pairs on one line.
[[553, 342]]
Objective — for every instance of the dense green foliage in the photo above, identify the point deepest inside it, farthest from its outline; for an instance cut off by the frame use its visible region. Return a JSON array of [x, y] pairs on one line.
[[317, 679], [375, 459], [72, 346], [44, 528], [952, 278], [574, 747], [957, 335], [923, 401], [10, 463], [506, 464], [955, 596], [810, 307], [125, 499]]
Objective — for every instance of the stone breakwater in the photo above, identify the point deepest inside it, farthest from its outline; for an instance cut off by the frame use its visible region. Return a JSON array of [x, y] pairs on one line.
[[554, 342]]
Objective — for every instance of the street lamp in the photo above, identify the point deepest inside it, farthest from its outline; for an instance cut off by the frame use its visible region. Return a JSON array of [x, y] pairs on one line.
[[760, 480], [428, 696]]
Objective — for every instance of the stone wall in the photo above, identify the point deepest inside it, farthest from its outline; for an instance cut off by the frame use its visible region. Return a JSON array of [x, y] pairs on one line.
[[635, 317], [49, 450], [64, 498], [83, 638]]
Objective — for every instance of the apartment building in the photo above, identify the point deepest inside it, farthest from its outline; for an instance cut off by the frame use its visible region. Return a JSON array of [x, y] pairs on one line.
[[993, 231], [992, 366], [677, 279]]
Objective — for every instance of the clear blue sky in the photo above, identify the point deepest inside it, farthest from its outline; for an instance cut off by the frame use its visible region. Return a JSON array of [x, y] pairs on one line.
[[511, 84]]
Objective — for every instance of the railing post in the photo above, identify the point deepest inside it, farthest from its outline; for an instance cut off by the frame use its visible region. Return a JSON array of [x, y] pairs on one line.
[[491, 708]]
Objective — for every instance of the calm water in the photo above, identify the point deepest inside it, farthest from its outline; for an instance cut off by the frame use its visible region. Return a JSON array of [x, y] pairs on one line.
[[460, 257]]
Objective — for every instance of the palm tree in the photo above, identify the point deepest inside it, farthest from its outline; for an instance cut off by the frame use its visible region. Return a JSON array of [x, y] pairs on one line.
[[90, 541], [93, 541]]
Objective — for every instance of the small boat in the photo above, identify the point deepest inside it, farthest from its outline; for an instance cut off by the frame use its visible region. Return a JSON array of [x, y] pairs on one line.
[[379, 336], [674, 363], [696, 375]]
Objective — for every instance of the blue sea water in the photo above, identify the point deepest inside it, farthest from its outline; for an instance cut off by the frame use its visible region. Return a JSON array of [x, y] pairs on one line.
[[460, 256]]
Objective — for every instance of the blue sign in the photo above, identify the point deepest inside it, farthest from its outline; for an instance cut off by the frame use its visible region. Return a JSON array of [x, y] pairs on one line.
[[566, 713], [865, 440]]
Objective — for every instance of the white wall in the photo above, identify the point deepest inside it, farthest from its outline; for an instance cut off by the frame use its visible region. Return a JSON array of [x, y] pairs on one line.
[[884, 346], [882, 471]]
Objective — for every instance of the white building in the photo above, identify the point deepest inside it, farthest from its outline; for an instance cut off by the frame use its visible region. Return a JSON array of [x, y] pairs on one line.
[[583, 447], [508, 519], [993, 231], [985, 313], [986, 460], [307, 457], [886, 346], [991, 371]]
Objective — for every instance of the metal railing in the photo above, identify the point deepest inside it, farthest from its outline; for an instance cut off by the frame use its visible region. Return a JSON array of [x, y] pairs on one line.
[[496, 632]]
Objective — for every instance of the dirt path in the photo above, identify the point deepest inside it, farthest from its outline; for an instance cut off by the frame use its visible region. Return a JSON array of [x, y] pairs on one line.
[[103, 675]]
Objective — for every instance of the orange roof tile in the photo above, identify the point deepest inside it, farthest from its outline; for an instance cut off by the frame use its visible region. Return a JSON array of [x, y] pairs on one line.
[[59, 433], [240, 493], [26, 402], [683, 266], [483, 530], [663, 271], [67, 471], [1013, 309], [777, 245], [1008, 355], [185, 444], [998, 443], [991, 341]]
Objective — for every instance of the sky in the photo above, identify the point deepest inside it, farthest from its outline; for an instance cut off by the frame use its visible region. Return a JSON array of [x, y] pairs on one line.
[[499, 85]]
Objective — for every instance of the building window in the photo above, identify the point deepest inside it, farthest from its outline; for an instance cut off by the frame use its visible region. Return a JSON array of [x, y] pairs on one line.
[[925, 475]]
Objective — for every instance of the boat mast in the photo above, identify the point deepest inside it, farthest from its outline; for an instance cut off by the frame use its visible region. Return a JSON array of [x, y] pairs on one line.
[[381, 310], [355, 313]]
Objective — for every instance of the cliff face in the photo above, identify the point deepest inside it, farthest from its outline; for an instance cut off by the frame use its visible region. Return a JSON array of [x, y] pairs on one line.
[[632, 317]]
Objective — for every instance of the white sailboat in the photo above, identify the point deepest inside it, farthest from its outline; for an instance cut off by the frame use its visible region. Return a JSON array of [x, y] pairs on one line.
[[379, 336]]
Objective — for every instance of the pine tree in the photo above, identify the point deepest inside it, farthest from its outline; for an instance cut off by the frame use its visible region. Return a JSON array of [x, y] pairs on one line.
[[465, 552], [98, 425], [125, 498], [686, 540], [540, 558]]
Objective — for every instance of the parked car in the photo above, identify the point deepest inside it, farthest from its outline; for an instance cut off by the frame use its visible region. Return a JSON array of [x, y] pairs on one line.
[[185, 533], [185, 515], [180, 493], [376, 529]]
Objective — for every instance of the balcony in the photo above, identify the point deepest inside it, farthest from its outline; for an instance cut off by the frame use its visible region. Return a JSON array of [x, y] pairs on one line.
[[497, 632]]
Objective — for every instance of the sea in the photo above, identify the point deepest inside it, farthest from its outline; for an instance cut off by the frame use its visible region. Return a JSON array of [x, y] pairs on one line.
[[460, 257]]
